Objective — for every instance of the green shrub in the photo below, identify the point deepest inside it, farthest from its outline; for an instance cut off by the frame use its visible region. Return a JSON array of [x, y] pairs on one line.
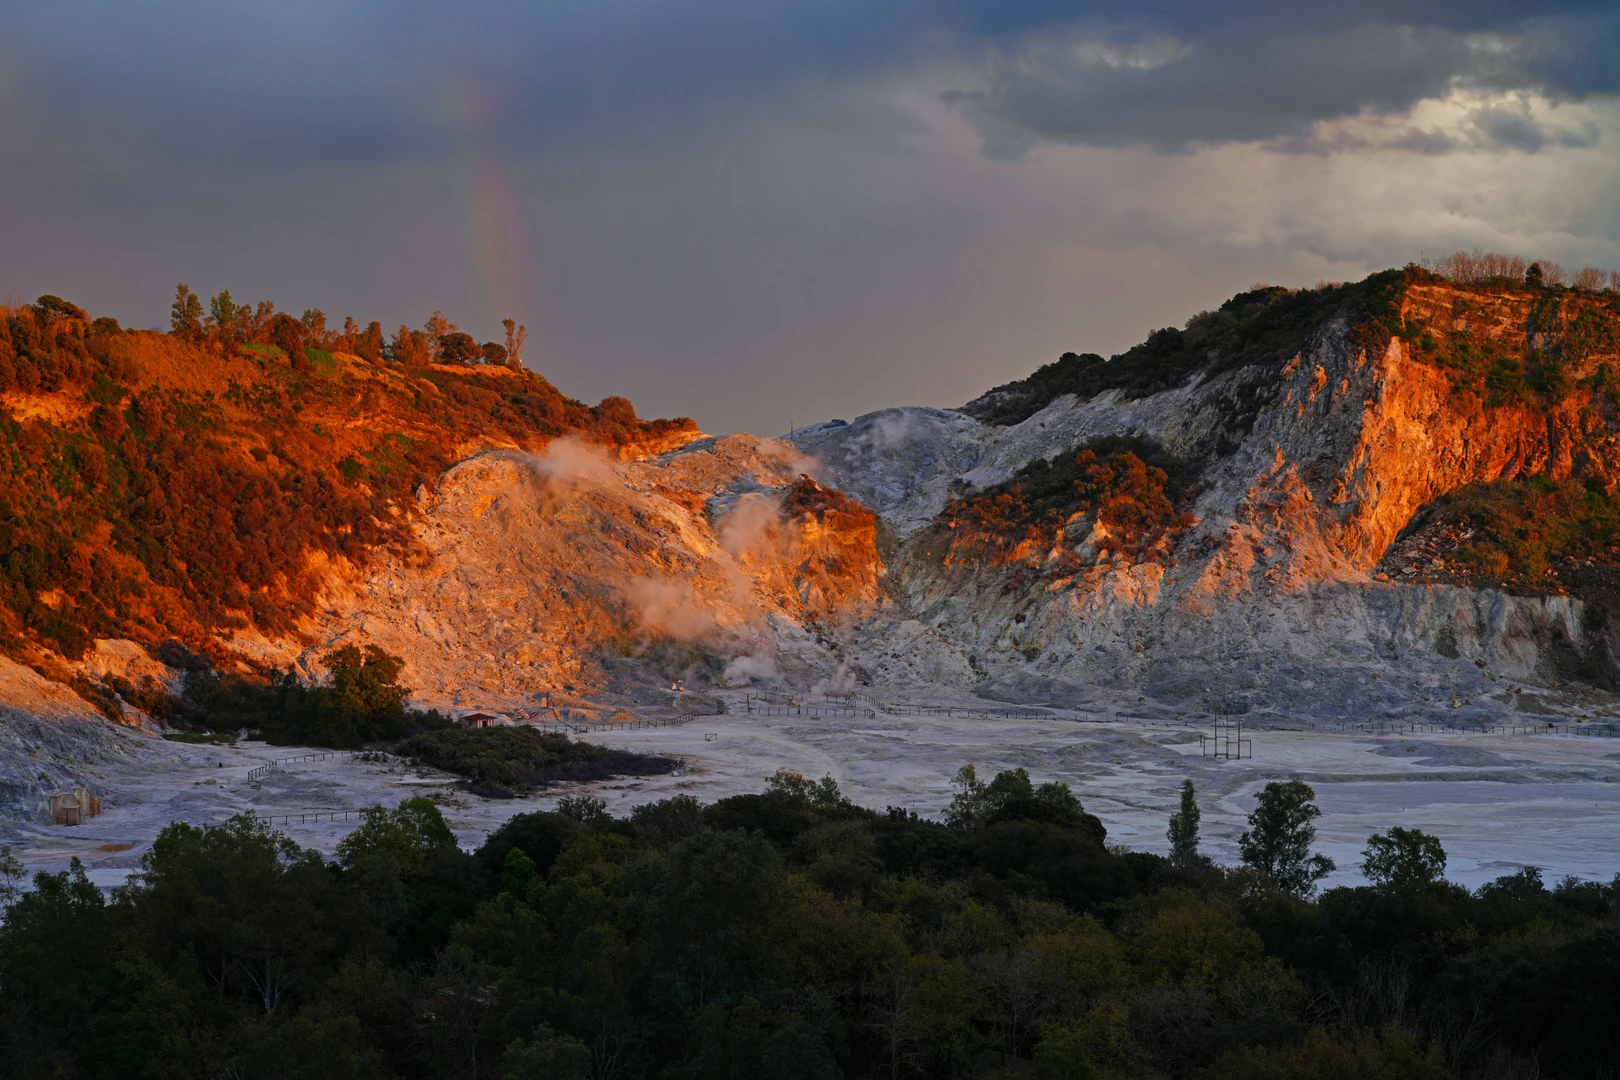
[[503, 760]]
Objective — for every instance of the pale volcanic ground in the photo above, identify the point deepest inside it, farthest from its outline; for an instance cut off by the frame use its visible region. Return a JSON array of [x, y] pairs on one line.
[[1497, 802]]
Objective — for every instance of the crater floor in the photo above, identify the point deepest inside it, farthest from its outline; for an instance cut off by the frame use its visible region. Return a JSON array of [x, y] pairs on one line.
[[1497, 802]]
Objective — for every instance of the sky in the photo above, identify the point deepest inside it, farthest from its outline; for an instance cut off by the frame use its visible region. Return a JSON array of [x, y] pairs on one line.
[[769, 214]]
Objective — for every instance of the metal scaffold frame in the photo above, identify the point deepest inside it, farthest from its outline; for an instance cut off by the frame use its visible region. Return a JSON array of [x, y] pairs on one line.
[[1226, 740]]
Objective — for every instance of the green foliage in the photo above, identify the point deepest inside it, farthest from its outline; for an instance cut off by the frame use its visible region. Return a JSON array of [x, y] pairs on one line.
[[322, 362], [1519, 529], [1403, 859], [669, 821], [728, 941], [412, 835], [1278, 840], [1561, 334], [1391, 1056], [822, 794], [172, 512], [1011, 796], [11, 877], [185, 316], [587, 810], [1183, 830], [506, 759], [226, 318], [361, 702], [546, 1055]]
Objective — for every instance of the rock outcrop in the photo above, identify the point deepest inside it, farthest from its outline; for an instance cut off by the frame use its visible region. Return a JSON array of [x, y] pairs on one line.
[[1271, 597], [574, 572]]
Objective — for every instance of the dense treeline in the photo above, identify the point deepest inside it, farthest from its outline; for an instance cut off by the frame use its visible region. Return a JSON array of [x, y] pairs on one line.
[[790, 935], [359, 702], [172, 486]]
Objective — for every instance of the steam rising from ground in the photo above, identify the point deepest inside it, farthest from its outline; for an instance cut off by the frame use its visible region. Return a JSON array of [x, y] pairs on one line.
[[892, 430], [841, 681], [751, 525], [572, 461], [665, 607], [744, 669], [795, 461]]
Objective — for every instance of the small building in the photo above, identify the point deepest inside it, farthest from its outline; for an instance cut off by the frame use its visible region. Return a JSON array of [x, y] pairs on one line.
[[73, 807], [483, 720]]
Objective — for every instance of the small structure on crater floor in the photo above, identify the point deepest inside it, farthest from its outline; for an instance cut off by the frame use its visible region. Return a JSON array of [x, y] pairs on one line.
[[73, 807], [483, 720]]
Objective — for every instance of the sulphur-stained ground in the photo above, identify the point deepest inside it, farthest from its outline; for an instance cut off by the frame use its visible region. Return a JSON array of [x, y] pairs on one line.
[[1497, 802]]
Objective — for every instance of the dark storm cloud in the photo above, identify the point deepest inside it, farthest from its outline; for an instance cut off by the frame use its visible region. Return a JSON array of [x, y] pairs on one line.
[[1172, 85], [301, 81]]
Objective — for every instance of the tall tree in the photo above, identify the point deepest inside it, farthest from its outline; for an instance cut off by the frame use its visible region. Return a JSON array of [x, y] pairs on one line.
[[410, 348], [287, 334], [314, 321], [369, 344], [1403, 859], [1183, 831], [185, 316], [227, 317], [1279, 838], [516, 336], [437, 327], [456, 347]]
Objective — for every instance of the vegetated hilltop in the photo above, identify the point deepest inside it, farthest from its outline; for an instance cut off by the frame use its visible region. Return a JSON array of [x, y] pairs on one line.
[[182, 486], [1232, 509]]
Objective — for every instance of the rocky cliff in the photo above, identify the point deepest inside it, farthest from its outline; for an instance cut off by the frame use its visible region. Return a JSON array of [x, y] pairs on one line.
[[1302, 472], [1287, 506]]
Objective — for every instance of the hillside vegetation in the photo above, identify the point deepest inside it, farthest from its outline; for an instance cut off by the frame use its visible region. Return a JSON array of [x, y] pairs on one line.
[[1110, 497], [1511, 338], [176, 486], [1265, 325]]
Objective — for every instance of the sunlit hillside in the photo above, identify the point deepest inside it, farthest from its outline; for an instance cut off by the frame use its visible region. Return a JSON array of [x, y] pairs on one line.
[[163, 487]]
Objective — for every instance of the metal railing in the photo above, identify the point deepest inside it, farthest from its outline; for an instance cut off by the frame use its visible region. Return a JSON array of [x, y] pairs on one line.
[[269, 767]]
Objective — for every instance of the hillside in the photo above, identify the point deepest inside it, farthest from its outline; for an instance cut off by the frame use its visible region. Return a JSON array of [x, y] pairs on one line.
[[1255, 534], [173, 488], [1375, 499]]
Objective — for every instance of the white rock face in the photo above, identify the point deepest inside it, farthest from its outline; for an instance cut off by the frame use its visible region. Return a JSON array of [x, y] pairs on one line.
[[1270, 599], [898, 461], [50, 740], [602, 579], [585, 576]]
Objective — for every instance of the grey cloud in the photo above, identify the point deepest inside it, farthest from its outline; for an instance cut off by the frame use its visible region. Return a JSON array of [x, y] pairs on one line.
[[1511, 128], [1518, 129], [299, 81], [1109, 87]]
